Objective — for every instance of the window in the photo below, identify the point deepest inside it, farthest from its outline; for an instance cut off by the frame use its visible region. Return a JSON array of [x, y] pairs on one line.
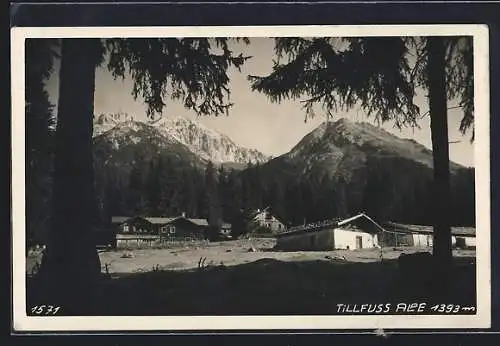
[[171, 229], [460, 243]]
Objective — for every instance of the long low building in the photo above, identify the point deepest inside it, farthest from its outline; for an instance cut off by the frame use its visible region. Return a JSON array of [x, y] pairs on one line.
[[398, 234], [357, 232], [166, 226], [361, 232]]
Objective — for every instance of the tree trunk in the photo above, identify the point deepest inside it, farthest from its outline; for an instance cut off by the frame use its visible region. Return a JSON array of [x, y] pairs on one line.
[[442, 252], [71, 266]]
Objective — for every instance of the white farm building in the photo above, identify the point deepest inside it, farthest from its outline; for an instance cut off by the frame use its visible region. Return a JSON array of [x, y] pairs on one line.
[[357, 232]]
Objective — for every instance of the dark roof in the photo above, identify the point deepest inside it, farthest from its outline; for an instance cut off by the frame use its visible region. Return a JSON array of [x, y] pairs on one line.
[[314, 226], [119, 219], [120, 236], [426, 229], [166, 220]]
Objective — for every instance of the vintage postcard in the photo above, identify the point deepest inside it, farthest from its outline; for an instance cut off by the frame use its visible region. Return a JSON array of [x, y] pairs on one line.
[[284, 178]]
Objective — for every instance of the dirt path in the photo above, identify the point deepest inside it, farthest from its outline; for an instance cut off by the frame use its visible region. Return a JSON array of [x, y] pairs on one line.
[[236, 252]]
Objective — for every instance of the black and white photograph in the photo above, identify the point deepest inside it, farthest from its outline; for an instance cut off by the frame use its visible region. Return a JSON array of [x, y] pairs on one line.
[[250, 178]]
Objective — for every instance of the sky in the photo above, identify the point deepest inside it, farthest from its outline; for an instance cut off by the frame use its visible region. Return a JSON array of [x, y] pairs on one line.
[[255, 122]]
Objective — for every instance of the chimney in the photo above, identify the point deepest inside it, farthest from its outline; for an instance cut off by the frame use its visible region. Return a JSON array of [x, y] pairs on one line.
[[183, 214]]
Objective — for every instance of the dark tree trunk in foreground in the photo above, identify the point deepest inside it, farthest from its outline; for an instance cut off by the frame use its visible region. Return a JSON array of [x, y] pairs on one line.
[[71, 265], [439, 130]]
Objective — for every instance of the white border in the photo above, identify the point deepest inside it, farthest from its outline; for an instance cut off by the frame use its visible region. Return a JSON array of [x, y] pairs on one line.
[[21, 322]]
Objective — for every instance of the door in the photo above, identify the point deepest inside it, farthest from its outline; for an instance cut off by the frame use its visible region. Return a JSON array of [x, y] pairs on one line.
[[359, 242]]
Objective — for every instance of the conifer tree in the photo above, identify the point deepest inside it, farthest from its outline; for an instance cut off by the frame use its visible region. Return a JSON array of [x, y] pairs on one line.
[[375, 74], [39, 138], [189, 70]]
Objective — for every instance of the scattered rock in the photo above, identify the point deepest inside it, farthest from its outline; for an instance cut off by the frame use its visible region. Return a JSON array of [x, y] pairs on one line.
[[252, 249], [229, 250], [339, 258], [127, 255]]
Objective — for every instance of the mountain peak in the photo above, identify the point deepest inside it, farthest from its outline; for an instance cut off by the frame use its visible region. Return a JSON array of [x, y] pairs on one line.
[[344, 138], [203, 141], [351, 125], [342, 121], [208, 143]]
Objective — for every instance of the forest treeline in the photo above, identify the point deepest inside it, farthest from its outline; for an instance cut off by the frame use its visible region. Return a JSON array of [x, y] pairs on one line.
[[393, 190]]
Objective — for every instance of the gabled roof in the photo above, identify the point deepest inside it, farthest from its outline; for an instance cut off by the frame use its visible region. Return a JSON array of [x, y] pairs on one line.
[[315, 225], [361, 216], [158, 220], [254, 213], [199, 222], [267, 209], [332, 223], [165, 220]]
